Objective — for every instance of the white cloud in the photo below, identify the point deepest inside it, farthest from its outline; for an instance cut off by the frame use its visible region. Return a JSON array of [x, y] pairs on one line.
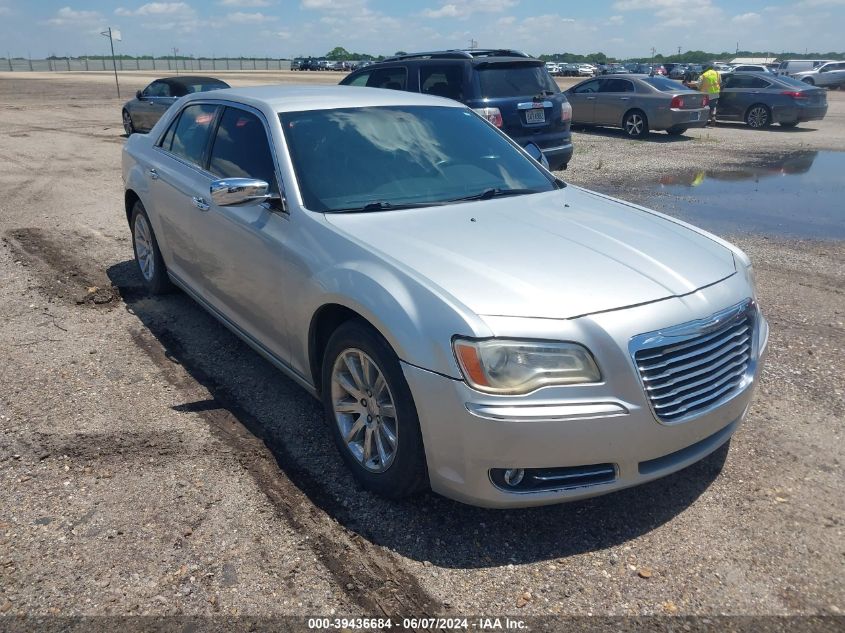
[[616, 19], [673, 13], [332, 5], [467, 8], [5, 11], [239, 17], [746, 18], [245, 4], [158, 9], [67, 16], [822, 3]]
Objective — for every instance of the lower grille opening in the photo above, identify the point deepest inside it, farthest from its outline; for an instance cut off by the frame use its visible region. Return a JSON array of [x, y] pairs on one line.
[[540, 479]]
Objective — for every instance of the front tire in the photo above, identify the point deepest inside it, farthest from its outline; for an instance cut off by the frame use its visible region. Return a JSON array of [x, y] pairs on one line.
[[147, 254], [128, 126], [676, 131], [635, 124], [371, 412], [809, 80], [758, 116]]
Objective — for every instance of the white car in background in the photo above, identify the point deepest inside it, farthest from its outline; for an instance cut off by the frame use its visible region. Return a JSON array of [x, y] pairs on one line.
[[586, 70]]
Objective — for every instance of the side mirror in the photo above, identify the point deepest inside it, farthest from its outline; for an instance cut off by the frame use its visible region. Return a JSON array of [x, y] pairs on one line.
[[139, 95], [230, 192], [536, 153]]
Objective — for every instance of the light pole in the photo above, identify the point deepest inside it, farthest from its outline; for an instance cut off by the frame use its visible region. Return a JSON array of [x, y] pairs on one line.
[[175, 61], [113, 35]]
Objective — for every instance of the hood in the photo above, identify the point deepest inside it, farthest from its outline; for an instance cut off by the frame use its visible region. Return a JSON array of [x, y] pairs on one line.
[[555, 255]]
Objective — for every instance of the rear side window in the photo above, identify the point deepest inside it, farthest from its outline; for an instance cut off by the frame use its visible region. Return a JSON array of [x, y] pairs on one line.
[[663, 84], [616, 85], [390, 78], [360, 80], [241, 148], [442, 81], [515, 80], [191, 134]]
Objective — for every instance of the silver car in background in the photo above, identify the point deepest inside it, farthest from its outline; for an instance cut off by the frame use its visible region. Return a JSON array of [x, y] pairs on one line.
[[829, 75], [638, 104], [469, 322]]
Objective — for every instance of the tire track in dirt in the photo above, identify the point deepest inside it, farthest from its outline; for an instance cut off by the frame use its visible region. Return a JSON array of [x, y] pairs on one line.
[[371, 577]]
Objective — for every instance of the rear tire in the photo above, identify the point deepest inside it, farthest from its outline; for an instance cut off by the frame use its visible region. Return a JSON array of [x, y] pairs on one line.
[[676, 131], [758, 116], [147, 254], [635, 124], [368, 402]]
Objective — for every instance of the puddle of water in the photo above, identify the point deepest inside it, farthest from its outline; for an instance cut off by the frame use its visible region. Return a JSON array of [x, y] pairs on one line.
[[798, 195]]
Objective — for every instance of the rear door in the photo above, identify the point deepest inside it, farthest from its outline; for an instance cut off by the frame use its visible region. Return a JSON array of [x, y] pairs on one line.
[[614, 98], [582, 98], [180, 188]]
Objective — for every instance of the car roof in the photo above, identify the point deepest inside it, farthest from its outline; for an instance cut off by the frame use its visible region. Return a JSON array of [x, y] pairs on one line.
[[293, 98], [185, 80]]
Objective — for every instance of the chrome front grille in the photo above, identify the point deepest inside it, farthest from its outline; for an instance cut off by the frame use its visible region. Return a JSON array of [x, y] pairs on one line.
[[691, 368]]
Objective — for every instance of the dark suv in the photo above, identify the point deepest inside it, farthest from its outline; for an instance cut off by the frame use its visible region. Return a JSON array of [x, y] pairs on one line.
[[510, 89]]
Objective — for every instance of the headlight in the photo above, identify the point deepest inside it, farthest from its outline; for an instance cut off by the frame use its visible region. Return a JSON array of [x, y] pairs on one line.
[[518, 367], [744, 266]]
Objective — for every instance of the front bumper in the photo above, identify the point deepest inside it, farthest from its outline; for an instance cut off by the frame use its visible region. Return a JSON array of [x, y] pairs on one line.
[[467, 433]]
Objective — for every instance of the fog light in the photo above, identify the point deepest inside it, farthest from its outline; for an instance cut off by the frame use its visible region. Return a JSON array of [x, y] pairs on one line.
[[514, 476]]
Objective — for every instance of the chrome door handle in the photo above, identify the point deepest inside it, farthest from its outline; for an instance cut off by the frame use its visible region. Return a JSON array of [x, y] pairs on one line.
[[624, 98], [591, 98], [153, 174], [200, 203]]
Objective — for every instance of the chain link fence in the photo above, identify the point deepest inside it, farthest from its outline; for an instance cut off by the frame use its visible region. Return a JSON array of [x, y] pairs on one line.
[[75, 64]]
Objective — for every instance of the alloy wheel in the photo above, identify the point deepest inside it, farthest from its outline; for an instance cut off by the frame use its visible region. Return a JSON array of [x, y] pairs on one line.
[[364, 410], [144, 252], [634, 124], [758, 117]]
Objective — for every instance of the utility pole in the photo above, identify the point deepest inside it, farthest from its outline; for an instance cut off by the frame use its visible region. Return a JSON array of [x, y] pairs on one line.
[[175, 61], [679, 51], [473, 43], [112, 35]]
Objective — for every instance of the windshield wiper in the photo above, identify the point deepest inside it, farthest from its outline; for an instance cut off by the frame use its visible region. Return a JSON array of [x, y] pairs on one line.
[[495, 192], [382, 205]]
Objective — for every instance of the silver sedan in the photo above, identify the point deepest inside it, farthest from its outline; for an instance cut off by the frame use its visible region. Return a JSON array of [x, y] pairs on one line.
[[469, 322], [637, 104]]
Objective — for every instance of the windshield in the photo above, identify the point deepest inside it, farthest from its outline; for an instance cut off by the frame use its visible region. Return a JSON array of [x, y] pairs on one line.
[[515, 80], [390, 157]]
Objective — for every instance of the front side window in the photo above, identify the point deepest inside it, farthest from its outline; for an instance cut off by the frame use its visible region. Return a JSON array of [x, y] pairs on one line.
[[390, 78], [588, 87], [360, 80], [191, 134], [377, 158], [157, 89], [241, 148], [515, 80]]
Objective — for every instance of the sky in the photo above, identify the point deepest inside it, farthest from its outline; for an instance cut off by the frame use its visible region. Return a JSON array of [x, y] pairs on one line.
[[288, 28]]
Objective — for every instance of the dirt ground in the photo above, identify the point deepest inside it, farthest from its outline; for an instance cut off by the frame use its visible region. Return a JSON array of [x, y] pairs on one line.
[[153, 464]]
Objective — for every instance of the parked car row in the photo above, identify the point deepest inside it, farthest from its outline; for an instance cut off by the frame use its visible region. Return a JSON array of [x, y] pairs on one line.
[[312, 63]]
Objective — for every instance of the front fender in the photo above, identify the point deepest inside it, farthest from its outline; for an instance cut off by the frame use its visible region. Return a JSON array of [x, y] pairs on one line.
[[417, 321]]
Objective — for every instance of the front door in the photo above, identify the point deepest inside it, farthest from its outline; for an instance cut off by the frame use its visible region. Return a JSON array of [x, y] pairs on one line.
[[614, 99], [583, 100], [242, 251]]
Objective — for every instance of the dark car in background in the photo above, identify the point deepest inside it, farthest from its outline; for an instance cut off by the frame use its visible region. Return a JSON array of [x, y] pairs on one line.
[[511, 90], [638, 104], [143, 112], [760, 99]]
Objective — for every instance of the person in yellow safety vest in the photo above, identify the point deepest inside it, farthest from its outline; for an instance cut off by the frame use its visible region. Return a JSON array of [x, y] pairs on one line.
[[710, 83]]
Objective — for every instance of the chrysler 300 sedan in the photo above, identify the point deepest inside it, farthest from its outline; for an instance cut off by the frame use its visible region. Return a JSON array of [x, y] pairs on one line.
[[470, 323]]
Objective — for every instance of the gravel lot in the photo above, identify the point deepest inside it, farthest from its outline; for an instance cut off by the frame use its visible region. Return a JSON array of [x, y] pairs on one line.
[[152, 464]]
